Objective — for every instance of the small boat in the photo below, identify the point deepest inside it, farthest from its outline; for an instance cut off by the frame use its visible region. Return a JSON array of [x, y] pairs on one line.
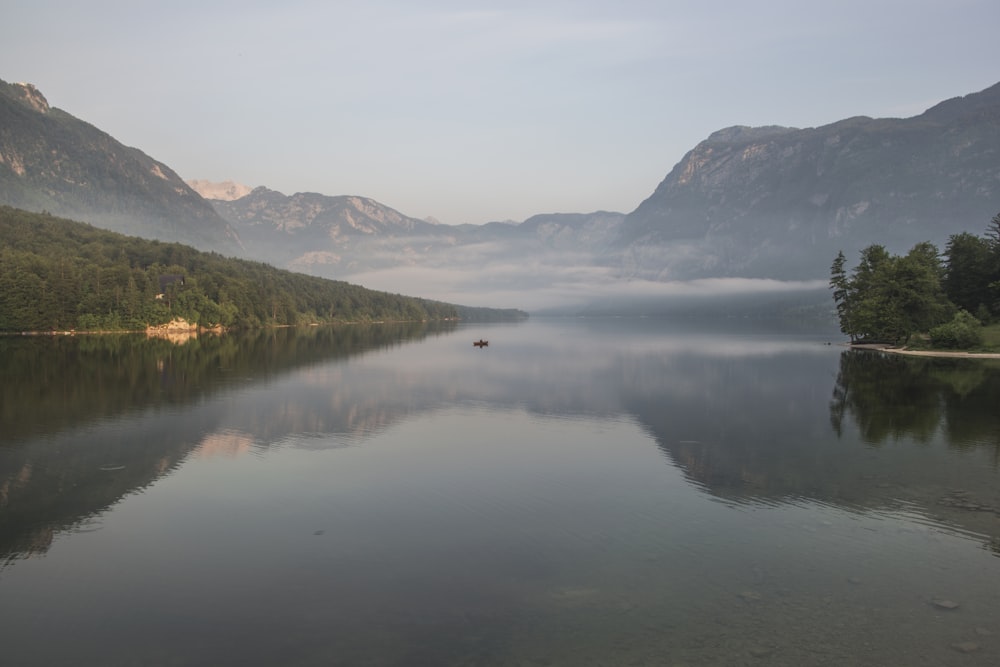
[[481, 343]]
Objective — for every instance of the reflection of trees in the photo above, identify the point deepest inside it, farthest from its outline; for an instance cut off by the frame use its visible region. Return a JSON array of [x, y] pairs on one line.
[[85, 421], [752, 428], [55, 382], [891, 397]]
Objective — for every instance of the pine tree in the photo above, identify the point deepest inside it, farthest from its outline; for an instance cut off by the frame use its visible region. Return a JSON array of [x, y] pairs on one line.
[[841, 291]]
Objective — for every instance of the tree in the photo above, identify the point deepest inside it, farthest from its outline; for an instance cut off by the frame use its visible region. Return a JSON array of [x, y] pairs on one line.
[[841, 291], [872, 313], [888, 298], [968, 271], [993, 234], [918, 292]]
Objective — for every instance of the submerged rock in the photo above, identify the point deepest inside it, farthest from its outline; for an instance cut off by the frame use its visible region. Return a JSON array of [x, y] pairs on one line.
[[947, 605]]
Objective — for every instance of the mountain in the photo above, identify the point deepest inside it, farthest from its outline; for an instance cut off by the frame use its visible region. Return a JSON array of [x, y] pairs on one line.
[[763, 202], [766, 202], [779, 202], [51, 161], [320, 234], [335, 236]]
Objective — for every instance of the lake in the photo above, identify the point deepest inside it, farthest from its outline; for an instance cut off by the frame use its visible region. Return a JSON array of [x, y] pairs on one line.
[[579, 492]]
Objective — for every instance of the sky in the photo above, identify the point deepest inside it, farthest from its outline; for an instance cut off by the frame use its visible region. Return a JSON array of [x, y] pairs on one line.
[[470, 112]]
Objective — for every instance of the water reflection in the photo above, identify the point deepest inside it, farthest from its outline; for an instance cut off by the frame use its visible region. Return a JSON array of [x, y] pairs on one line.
[[892, 398], [88, 420], [61, 382], [746, 417], [580, 492]]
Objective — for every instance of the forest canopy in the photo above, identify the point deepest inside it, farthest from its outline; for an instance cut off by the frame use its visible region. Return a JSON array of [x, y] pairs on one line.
[[888, 298], [58, 275]]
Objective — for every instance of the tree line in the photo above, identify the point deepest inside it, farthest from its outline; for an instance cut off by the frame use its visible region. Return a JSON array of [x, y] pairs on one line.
[[888, 298], [57, 274]]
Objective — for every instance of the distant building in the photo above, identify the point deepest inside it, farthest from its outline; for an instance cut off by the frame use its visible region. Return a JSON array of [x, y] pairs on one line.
[[169, 279]]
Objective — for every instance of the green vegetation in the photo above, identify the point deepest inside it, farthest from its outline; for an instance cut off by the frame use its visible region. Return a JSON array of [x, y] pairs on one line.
[[60, 275], [964, 331], [890, 298]]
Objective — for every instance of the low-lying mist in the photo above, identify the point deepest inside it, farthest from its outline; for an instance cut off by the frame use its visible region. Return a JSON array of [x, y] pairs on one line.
[[581, 290]]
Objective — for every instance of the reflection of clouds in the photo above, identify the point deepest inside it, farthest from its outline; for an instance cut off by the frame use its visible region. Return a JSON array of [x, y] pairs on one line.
[[226, 444], [708, 347], [544, 366]]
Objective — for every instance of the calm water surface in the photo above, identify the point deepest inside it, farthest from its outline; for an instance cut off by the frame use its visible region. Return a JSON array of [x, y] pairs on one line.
[[581, 492]]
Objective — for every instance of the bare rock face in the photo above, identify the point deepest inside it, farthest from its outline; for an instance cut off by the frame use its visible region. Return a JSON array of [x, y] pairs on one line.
[[176, 324], [32, 97], [224, 191]]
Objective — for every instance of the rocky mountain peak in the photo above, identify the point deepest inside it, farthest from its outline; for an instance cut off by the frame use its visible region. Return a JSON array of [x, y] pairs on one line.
[[743, 133], [223, 191], [32, 97]]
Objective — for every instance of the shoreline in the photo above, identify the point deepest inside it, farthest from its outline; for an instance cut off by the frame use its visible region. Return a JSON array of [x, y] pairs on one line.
[[924, 353], [153, 330]]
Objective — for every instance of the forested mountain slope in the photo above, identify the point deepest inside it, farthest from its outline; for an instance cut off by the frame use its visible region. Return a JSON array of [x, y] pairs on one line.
[[58, 274]]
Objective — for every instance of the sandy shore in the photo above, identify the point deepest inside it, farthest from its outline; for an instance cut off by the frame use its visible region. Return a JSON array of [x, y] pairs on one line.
[[926, 353], [936, 353]]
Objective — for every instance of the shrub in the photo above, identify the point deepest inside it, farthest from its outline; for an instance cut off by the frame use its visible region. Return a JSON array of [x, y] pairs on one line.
[[964, 331]]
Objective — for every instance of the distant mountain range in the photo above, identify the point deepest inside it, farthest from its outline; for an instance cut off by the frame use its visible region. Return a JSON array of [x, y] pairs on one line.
[[341, 235], [766, 202]]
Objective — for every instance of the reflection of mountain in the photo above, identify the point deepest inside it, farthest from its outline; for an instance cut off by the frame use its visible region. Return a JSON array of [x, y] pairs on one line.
[[743, 427], [757, 430], [52, 484], [86, 421], [746, 417]]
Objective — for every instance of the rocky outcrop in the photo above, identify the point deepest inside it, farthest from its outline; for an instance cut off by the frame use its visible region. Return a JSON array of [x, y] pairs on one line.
[[179, 330], [224, 191], [177, 324]]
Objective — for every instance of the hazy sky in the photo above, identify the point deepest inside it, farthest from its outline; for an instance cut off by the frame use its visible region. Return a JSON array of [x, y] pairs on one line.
[[476, 111]]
